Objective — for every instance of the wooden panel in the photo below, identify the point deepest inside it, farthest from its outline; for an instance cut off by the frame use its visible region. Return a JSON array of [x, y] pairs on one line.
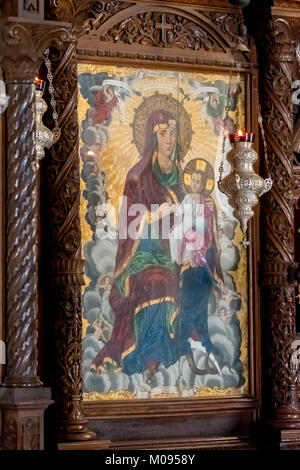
[[134, 432], [139, 420]]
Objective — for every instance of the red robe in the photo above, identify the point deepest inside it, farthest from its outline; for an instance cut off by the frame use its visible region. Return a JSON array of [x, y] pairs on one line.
[[103, 108], [141, 187]]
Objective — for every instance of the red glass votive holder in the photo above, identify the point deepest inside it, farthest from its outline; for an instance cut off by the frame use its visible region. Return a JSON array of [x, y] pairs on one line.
[[242, 137], [39, 84]]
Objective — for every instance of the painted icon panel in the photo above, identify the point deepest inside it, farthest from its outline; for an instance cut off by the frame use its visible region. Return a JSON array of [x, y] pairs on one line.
[[165, 302]]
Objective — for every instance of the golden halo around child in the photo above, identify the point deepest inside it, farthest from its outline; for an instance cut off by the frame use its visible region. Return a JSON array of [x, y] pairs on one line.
[[198, 165], [167, 103]]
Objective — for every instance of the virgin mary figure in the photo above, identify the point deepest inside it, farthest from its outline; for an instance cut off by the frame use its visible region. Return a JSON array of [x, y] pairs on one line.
[[144, 293]]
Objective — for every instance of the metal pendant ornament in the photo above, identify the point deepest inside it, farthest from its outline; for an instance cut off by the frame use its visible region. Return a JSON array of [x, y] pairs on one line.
[[45, 138], [242, 185]]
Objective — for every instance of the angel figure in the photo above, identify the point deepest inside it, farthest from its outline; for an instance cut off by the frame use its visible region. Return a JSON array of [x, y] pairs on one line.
[[214, 101], [108, 96]]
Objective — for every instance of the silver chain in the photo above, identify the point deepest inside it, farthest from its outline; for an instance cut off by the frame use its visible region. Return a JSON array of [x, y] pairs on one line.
[[56, 131], [263, 138], [227, 109], [237, 116]]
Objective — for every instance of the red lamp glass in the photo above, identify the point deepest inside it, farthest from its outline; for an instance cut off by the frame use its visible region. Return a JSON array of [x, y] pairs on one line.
[[39, 84], [241, 137]]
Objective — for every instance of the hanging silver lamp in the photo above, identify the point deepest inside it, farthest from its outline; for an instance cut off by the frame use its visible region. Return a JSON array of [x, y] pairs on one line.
[[44, 137], [243, 186]]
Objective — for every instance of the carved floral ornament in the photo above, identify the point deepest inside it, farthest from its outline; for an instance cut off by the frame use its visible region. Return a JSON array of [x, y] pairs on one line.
[[162, 30], [79, 11], [176, 27]]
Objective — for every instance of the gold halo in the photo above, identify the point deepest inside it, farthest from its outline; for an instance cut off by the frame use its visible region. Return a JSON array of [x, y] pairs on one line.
[[198, 164], [167, 103]]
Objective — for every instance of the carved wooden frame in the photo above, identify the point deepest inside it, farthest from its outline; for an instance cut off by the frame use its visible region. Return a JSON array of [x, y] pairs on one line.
[[61, 176], [216, 32]]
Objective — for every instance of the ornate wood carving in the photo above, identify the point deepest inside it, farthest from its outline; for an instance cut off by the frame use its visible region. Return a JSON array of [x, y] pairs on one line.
[[31, 9], [277, 55], [231, 26], [10, 431], [296, 184], [287, 3], [156, 59], [157, 33], [22, 50], [217, 3], [75, 10], [284, 4], [31, 433], [21, 433], [83, 13], [23, 46], [160, 25], [173, 28], [95, 20], [162, 30], [65, 267], [22, 412]]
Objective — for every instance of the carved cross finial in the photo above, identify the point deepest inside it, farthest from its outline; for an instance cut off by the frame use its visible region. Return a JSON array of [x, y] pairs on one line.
[[164, 26]]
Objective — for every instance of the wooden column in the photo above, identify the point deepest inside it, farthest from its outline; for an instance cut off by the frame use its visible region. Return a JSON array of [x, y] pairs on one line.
[[23, 399], [281, 405], [64, 269]]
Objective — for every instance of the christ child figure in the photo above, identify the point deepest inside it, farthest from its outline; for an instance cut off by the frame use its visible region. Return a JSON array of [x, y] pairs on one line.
[[194, 246], [193, 234]]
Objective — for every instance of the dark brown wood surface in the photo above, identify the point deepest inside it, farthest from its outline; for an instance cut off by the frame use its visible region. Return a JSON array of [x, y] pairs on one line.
[[99, 35], [97, 29]]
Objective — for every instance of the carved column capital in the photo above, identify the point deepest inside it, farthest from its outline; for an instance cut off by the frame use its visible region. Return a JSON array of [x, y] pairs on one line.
[[278, 40], [22, 46]]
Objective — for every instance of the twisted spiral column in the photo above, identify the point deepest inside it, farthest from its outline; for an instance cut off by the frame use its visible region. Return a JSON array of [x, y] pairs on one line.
[[23, 400], [21, 238]]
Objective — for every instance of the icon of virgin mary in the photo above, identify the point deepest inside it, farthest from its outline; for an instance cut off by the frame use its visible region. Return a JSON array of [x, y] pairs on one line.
[[144, 294]]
